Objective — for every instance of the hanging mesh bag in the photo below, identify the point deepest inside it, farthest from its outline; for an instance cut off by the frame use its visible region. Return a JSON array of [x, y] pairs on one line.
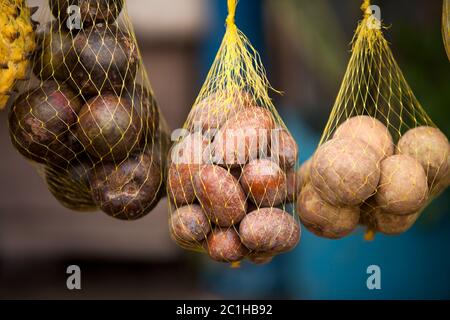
[[87, 117], [446, 26], [231, 170], [381, 159]]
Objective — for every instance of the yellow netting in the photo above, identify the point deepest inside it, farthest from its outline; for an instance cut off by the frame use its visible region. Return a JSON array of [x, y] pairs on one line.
[[88, 116], [231, 171], [380, 158], [446, 26]]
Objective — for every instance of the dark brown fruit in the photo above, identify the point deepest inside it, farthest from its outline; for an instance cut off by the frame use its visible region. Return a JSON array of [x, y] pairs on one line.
[[283, 149], [91, 11], [55, 45], [128, 191], [41, 123], [104, 59], [221, 195], [264, 182], [269, 230], [224, 245], [145, 105], [109, 128], [189, 224], [71, 187]]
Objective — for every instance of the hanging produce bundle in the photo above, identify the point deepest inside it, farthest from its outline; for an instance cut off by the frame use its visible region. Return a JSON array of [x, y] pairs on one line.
[[17, 43], [381, 159], [88, 116], [446, 26], [231, 173]]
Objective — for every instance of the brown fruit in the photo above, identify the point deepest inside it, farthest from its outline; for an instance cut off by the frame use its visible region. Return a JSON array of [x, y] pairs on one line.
[[189, 224], [269, 230], [264, 182], [224, 245], [221, 196], [41, 123], [260, 258], [393, 224], [304, 173], [370, 131], [430, 147], [186, 157], [243, 137], [283, 148], [212, 112], [130, 190], [403, 185], [91, 11], [293, 185], [104, 59], [324, 219], [55, 44], [109, 128], [345, 171]]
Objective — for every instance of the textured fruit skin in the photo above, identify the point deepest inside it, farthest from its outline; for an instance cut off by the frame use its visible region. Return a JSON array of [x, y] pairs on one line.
[[184, 163], [104, 59], [72, 187], [430, 147], [144, 103], [130, 190], [304, 173], [403, 187], [189, 224], [221, 195], [284, 149], [224, 245], [322, 218], [108, 127], [242, 136], [91, 11], [345, 171], [17, 43], [269, 230], [293, 185], [55, 44], [41, 123], [370, 131], [264, 182], [213, 111]]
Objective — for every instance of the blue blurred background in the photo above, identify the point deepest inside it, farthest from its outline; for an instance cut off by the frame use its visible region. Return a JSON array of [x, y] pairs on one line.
[[305, 49]]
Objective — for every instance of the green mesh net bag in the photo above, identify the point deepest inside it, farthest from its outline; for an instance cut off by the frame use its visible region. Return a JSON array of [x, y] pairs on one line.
[[381, 159], [87, 117], [231, 170]]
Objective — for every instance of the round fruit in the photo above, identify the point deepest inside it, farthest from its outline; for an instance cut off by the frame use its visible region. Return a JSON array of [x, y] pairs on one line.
[[41, 122], [221, 195], [130, 190], [393, 224], [189, 224], [264, 182], [224, 245], [345, 171], [104, 59], [109, 128], [430, 147], [184, 164], [403, 185], [269, 230], [91, 11], [370, 131], [283, 148], [324, 219], [55, 44]]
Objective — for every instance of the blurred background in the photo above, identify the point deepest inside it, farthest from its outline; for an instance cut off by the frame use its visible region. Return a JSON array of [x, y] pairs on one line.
[[305, 49]]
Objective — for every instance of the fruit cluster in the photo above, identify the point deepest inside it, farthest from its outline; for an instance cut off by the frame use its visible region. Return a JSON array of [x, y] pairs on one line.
[[90, 118]]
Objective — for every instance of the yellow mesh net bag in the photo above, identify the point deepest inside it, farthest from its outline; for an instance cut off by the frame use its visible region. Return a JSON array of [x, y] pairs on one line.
[[87, 117], [381, 159], [446, 26], [231, 170]]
